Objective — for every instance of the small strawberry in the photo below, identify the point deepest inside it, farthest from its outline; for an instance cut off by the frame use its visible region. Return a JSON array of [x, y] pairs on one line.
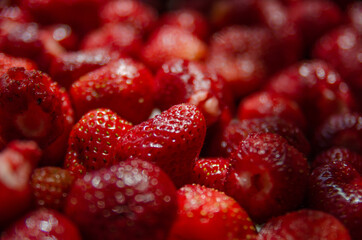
[[17, 162], [70, 66], [122, 38], [242, 55], [344, 130], [42, 224], [172, 140], [335, 187], [238, 130], [211, 172], [342, 48], [124, 86], [50, 186], [268, 177], [92, 141], [316, 87], [31, 107], [304, 224], [207, 214], [130, 200], [7, 61], [182, 81], [266, 104], [135, 13], [168, 42], [314, 18], [188, 19]]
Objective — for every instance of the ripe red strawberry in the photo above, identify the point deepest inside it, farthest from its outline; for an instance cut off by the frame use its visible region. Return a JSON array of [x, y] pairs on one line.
[[268, 177], [342, 49], [304, 224], [172, 140], [188, 19], [335, 187], [130, 200], [17, 162], [93, 139], [183, 81], [170, 42], [124, 86], [266, 104], [20, 39], [7, 61], [238, 130], [338, 154], [118, 37], [31, 107], [316, 87], [70, 66], [207, 214], [243, 55], [211, 172], [50, 186], [135, 13], [42, 224], [344, 130], [314, 18]]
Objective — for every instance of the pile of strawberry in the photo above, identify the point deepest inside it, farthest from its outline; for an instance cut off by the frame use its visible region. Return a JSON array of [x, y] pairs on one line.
[[181, 119]]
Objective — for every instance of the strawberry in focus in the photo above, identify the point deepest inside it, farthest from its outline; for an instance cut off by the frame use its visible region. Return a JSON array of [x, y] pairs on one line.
[[93, 140], [207, 214], [172, 140]]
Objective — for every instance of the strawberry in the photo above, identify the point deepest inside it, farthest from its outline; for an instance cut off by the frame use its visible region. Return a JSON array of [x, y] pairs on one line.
[[316, 87], [211, 172], [50, 186], [242, 55], [135, 13], [92, 141], [238, 130], [265, 104], [118, 37], [70, 66], [7, 61], [17, 162], [343, 130], [188, 19], [172, 140], [31, 106], [130, 200], [268, 177], [314, 18], [183, 81], [304, 224], [168, 42], [207, 214], [42, 224], [20, 39], [342, 48], [336, 154], [124, 86], [335, 187]]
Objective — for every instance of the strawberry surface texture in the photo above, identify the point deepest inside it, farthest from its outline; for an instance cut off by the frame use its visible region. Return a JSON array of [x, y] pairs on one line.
[[181, 119]]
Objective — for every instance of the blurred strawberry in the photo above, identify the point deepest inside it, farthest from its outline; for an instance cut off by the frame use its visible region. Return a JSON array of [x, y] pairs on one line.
[[130, 200], [7, 61]]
